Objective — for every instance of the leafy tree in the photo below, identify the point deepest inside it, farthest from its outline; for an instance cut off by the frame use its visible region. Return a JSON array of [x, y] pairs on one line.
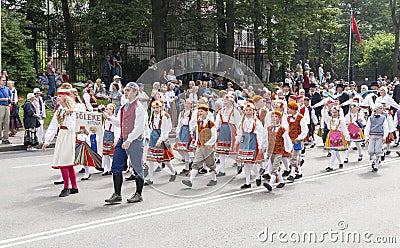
[[16, 57]]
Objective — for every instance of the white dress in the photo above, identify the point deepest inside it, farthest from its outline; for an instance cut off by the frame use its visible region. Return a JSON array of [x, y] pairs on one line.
[[64, 153]]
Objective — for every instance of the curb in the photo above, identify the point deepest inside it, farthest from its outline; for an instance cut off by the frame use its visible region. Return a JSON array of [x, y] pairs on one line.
[[18, 147]]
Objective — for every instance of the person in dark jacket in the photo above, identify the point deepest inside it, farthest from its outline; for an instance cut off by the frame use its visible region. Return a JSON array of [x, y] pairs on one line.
[[30, 119], [315, 97]]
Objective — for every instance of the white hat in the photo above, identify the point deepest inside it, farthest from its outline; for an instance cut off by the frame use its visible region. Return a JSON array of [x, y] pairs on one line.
[[378, 106], [30, 95], [116, 76], [36, 90]]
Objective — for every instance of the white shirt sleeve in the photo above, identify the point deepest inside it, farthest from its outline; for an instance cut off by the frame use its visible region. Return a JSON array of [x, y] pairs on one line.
[[343, 129], [86, 99], [259, 133], [304, 129], [367, 128], [51, 130], [166, 127], [287, 141], [395, 121], [386, 129]]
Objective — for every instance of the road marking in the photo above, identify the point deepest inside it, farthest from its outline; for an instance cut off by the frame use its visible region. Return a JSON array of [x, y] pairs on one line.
[[166, 209], [29, 166], [39, 189]]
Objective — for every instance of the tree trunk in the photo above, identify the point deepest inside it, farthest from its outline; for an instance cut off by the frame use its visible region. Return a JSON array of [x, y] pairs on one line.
[[221, 26], [230, 27], [69, 39], [396, 25], [158, 26]]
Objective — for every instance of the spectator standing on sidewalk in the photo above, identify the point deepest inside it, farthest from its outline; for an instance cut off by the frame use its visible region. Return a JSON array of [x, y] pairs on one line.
[[15, 121], [31, 122], [5, 100], [51, 76]]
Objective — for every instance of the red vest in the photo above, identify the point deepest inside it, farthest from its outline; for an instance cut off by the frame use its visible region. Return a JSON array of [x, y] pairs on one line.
[[128, 119], [275, 140], [295, 127]]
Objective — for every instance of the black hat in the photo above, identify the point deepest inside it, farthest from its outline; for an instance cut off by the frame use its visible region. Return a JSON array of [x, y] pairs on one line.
[[374, 83], [313, 85], [286, 85], [339, 85]]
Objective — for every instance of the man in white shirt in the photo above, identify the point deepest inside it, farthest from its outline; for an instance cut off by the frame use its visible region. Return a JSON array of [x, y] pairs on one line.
[[142, 96]]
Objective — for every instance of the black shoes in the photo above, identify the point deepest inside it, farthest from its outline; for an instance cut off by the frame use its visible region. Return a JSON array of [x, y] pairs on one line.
[[212, 183], [280, 185], [6, 142], [383, 157], [114, 199], [58, 182], [387, 153], [298, 176], [148, 182], [86, 178], [258, 182], [107, 173], [346, 160], [221, 174], [135, 198], [291, 179], [173, 177], [360, 157], [329, 154], [269, 187], [266, 176], [340, 166], [73, 191], [245, 186], [82, 171], [239, 169], [183, 172], [328, 169], [286, 173], [262, 171], [202, 171], [312, 146], [64, 193], [130, 178], [187, 183], [301, 162], [374, 169]]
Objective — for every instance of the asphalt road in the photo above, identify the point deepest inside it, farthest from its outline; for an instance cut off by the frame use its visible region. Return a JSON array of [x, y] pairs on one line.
[[332, 206]]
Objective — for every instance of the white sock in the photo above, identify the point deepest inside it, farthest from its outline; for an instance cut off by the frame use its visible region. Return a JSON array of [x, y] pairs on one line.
[[347, 152], [269, 166], [222, 160], [299, 170], [273, 178], [358, 145], [247, 172], [280, 177], [193, 174], [285, 162], [170, 167], [256, 171], [293, 171], [150, 175], [106, 162], [87, 171], [333, 158], [338, 157], [213, 176]]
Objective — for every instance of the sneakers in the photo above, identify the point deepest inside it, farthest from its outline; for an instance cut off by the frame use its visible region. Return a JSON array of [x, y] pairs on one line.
[[173, 177], [135, 198], [269, 187], [221, 174], [130, 178], [245, 186], [64, 193], [212, 183], [114, 199], [73, 191], [187, 183]]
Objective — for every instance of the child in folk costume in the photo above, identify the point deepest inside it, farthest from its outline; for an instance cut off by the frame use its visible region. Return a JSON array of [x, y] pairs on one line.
[[278, 143], [159, 150], [313, 122], [396, 124], [298, 131], [355, 121], [392, 128], [64, 120], [376, 131], [110, 138], [250, 140], [205, 139], [183, 137], [303, 110], [227, 122], [337, 137]]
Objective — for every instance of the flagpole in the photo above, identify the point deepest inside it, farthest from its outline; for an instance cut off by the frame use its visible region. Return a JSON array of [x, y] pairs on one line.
[[349, 58]]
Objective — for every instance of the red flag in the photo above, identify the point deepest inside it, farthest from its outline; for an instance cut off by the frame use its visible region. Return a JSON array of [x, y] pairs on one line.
[[354, 28]]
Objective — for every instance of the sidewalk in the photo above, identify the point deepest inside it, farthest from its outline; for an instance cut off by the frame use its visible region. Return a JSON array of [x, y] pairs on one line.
[[17, 143]]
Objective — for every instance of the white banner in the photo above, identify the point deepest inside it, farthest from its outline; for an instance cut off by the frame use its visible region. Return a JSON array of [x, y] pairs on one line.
[[93, 124]]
